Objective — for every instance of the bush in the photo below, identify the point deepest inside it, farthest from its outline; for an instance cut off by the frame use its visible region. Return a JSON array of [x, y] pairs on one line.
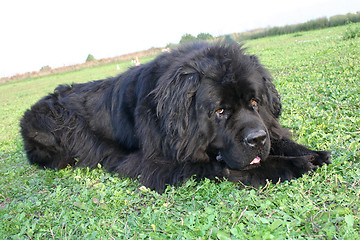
[[204, 36], [337, 20], [45, 68], [186, 38], [90, 58], [352, 31]]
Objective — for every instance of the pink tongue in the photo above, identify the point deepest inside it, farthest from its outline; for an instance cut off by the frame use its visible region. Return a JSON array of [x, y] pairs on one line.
[[256, 160]]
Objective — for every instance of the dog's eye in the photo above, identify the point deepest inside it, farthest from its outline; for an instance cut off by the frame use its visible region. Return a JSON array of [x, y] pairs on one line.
[[220, 112], [254, 104]]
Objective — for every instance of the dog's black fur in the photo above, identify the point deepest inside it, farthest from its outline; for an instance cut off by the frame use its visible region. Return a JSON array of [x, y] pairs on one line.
[[208, 110]]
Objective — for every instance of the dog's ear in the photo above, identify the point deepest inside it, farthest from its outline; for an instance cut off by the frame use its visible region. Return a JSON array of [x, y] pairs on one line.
[[273, 97], [176, 91], [175, 97], [274, 102]]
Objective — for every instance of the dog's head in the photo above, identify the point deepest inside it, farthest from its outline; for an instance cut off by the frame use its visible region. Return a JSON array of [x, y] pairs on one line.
[[217, 103]]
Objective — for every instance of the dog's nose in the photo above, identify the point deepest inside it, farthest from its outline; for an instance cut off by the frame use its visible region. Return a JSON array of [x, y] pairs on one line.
[[256, 138]]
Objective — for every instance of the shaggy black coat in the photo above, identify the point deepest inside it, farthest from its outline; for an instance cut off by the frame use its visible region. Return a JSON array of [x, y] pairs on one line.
[[208, 110]]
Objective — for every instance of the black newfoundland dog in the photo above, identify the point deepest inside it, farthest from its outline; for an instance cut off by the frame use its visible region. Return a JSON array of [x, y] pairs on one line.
[[208, 110]]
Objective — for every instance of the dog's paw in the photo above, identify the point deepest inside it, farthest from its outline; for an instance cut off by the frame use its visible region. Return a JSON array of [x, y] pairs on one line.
[[302, 165], [321, 158]]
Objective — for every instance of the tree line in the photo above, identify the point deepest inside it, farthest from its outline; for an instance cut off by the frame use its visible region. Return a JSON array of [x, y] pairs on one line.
[[318, 23]]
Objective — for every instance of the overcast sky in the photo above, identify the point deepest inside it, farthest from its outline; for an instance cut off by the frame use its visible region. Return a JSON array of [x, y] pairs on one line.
[[37, 33]]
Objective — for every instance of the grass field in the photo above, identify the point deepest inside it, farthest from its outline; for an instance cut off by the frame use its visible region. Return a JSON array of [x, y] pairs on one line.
[[318, 76]]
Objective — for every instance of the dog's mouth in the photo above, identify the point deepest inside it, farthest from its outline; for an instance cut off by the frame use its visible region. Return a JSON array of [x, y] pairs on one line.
[[256, 162]]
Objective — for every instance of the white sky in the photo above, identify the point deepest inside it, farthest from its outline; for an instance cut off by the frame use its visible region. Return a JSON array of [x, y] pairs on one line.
[[35, 33]]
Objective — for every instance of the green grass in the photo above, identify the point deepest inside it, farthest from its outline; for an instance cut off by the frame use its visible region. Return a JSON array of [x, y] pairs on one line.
[[318, 76]]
